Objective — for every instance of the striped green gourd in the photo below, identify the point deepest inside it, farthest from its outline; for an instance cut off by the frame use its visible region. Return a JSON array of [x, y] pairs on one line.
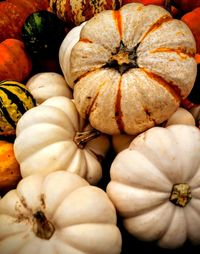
[[15, 100]]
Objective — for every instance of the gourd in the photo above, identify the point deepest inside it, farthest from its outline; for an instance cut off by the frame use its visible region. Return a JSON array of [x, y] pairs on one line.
[[38, 33], [60, 213], [131, 68], [15, 63], [9, 167], [46, 85], [180, 116], [52, 137], [74, 13], [195, 111], [155, 185], [15, 100]]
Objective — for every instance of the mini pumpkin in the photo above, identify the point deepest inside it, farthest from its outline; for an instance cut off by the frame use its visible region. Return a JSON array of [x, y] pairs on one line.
[[15, 100], [131, 68], [45, 85], [52, 137], [9, 167], [15, 63], [60, 213], [155, 185]]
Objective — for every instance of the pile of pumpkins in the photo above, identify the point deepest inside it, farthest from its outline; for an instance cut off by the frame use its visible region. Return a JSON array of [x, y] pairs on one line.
[[105, 142]]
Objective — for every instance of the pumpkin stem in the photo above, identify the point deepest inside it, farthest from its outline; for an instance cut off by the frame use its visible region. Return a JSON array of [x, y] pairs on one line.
[[81, 138], [123, 59], [42, 227], [181, 194]]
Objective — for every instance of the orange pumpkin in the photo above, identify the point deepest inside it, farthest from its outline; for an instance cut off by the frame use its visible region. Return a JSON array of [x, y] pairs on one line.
[[13, 15], [15, 63], [193, 21], [9, 168]]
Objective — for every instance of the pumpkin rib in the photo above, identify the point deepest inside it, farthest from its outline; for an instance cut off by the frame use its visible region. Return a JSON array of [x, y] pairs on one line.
[[182, 52], [157, 24], [118, 111], [118, 21]]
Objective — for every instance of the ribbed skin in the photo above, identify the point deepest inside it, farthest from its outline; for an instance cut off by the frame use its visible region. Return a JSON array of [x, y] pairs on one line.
[[15, 100]]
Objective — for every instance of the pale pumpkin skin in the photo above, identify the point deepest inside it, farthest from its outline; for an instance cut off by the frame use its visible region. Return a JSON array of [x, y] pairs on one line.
[[131, 68], [180, 116], [142, 180], [46, 141], [45, 85], [64, 203]]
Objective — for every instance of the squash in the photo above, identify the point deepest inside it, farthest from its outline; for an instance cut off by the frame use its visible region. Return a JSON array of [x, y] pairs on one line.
[[195, 111], [38, 33], [46, 85], [193, 22], [15, 63], [131, 68], [52, 137], [15, 100], [180, 116], [9, 167], [76, 12], [13, 15], [60, 213], [155, 185]]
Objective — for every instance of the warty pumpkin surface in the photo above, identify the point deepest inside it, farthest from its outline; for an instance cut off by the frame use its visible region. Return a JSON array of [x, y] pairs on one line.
[[60, 213], [131, 68], [155, 185], [53, 136]]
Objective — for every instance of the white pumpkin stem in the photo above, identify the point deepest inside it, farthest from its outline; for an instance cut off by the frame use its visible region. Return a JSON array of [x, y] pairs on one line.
[[181, 194], [81, 138], [42, 227]]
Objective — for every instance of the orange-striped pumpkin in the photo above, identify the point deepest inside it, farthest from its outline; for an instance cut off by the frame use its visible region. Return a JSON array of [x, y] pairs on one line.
[[131, 68], [76, 12]]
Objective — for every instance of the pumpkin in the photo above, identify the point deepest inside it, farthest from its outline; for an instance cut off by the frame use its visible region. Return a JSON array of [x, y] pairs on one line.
[[193, 22], [15, 100], [14, 14], [155, 185], [15, 63], [48, 84], [131, 68], [38, 31], [195, 111], [65, 51], [55, 214], [9, 167], [180, 116], [52, 137], [74, 13]]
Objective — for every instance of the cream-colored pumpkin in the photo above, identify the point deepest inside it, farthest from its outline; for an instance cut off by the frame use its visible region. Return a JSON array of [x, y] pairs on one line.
[[45, 85], [155, 185], [180, 116], [131, 68], [54, 137], [60, 213], [65, 51]]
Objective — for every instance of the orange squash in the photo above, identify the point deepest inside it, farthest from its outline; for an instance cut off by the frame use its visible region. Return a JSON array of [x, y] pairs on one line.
[[193, 21], [9, 168], [15, 63]]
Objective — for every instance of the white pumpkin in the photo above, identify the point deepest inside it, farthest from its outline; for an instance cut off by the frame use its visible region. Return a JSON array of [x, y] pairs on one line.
[[65, 51], [131, 68], [155, 185], [180, 116], [45, 85], [60, 213], [54, 137]]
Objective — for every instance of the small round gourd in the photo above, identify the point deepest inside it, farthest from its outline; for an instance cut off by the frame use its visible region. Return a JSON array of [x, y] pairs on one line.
[[45, 85], [60, 213], [15, 100]]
